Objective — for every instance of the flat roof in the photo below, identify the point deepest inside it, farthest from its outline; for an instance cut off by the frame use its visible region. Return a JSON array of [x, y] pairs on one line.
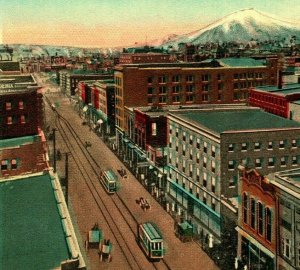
[[287, 89], [232, 120], [16, 141], [31, 233], [111, 175], [238, 62]]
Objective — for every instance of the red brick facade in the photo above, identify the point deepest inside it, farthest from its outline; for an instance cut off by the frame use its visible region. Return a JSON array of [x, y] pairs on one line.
[[136, 58]]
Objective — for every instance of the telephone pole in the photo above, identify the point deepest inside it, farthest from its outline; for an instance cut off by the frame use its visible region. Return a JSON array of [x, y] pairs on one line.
[[54, 150]]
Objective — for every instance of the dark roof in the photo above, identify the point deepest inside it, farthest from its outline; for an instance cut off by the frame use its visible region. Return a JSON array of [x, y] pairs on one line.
[[232, 120], [9, 66]]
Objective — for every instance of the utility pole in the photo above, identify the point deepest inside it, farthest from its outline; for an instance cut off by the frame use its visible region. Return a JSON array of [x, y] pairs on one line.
[[67, 177], [54, 150]]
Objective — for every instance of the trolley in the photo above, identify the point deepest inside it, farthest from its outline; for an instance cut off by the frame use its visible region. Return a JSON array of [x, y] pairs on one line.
[[109, 181], [94, 238], [151, 241]]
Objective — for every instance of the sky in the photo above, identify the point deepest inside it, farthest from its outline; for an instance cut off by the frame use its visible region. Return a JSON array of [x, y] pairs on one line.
[[117, 23]]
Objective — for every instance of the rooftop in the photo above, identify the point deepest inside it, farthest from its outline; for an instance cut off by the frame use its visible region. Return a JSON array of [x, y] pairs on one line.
[[287, 89], [152, 231], [221, 121], [238, 62], [17, 141], [31, 232], [9, 66]]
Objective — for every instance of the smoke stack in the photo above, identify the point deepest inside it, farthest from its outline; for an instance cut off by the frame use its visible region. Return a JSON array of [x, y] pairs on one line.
[[279, 83]]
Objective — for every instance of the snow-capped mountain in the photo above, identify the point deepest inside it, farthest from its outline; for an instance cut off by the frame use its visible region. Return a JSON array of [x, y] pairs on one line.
[[240, 26]]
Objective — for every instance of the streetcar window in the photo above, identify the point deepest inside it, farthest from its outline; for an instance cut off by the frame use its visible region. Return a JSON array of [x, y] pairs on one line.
[[111, 185]]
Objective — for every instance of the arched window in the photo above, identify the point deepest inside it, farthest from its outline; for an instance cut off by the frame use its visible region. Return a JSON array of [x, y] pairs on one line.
[[268, 224], [253, 213], [260, 220], [245, 207]]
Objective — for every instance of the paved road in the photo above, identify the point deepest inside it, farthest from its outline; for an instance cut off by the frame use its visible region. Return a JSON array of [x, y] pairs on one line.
[[179, 255]]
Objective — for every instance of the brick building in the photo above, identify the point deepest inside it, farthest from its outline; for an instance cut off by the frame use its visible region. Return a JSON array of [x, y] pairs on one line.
[[257, 241], [211, 82], [69, 81], [279, 101], [9, 68], [137, 58], [21, 106]]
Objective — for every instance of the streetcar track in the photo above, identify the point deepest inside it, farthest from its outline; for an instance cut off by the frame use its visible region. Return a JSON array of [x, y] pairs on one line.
[[89, 157]]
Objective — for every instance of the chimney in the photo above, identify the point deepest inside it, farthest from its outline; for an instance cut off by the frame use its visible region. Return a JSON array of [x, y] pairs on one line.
[[279, 82]]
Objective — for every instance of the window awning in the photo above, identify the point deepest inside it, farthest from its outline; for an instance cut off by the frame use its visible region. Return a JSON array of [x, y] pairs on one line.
[[255, 242]]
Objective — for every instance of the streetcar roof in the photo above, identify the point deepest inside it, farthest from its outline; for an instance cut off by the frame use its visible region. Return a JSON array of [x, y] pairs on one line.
[[152, 232], [111, 176]]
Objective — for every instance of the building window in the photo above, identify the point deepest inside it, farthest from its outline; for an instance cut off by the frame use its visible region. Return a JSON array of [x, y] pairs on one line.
[[183, 149], [191, 154], [245, 208], [197, 193], [204, 198], [191, 140], [198, 144], [21, 105], [9, 120], [205, 147], [150, 79], [244, 146], [213, 166], [294, 160], [176, 88], [230, 165], [283, 161], [153, 128], [176, 78], [198, 174], [204, 162], [258, 163], [294, 143], [198, 158], [162, 99], [260, 219], [176, 133], [253, 213], [213, 151], [150, 100], [204, 179], [176, 98], [13, 164], [232, 182], [22, 119], [8, 106], [205, 97], [281, 144], [206, 77], [189, 78], [150, 90], [4, 165], [213, 184], [257, 146], [271, 162], [191, 170], [189, 98], [184, 136], [230, 147], [244, 161], [162, 90], [270, 146], [213, 204], [190, 88], [286, 247], [268, 219], [183, 166], [206, 87], [162, 79], [176, 148]]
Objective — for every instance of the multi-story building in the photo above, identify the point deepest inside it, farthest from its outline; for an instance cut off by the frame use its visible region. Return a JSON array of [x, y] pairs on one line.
[[69, 81], [137, 58], [211, 82], [205, 148], [21, 106], [9, 68], [282, 101], [256, 221], [286, 184]]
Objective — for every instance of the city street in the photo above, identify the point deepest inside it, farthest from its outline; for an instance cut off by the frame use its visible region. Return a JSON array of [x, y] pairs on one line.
[[85, 211]]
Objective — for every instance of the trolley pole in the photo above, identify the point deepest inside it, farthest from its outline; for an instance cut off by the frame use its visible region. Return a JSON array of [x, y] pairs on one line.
[[67, 177], [54, 150]]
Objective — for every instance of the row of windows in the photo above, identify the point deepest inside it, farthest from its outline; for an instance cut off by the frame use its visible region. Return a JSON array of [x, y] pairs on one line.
[[179, 78], [7, 164], [259, 145], [257, 216], [249, 75], [22, 119], [9, 105], [270, 162]]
